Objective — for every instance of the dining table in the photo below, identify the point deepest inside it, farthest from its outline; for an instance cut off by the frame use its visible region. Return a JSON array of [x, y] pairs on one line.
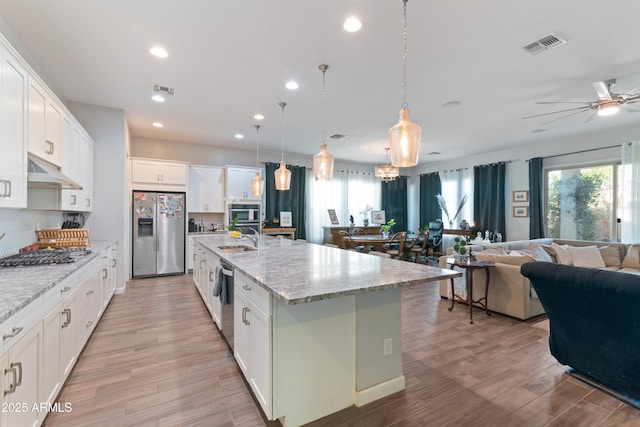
[[378, 242]]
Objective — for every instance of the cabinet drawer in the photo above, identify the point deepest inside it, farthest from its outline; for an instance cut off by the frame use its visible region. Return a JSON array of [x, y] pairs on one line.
[[257, 294], [87, 295], [15, 327]]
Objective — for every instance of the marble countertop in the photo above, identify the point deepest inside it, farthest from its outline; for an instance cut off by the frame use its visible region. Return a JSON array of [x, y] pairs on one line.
[[20, 286], [298, 272]]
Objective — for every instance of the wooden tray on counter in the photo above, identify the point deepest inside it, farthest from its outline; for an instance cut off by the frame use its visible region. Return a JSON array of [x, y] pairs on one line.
[[67, 238]]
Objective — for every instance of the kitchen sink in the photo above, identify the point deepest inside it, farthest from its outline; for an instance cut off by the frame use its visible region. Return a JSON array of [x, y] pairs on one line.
[[237, 248]]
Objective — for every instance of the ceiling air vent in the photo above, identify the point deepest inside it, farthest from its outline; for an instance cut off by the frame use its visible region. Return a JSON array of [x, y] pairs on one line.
[[337, 136], [544, 44], [164, 89]]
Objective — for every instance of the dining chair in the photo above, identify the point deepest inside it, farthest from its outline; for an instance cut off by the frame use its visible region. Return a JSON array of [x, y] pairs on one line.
[[436, 228], [396, 245], [348, 243], [420, 247]]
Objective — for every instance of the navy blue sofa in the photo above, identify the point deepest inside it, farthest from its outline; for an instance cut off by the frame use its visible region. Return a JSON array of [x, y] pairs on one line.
[[594, 319]]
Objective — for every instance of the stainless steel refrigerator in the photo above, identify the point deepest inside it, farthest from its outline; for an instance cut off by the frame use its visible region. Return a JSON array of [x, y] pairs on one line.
[[158, 233]]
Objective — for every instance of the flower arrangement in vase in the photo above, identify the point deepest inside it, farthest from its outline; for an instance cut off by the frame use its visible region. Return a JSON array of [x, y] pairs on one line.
[[385, 229]]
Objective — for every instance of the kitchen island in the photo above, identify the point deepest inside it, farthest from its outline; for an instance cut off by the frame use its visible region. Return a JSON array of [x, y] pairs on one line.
[[317, 329]]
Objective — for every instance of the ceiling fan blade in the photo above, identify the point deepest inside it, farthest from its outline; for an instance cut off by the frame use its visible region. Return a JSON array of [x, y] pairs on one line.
[[564, 102], [602, 91], [563, 117], [595, 113], [579, 109]]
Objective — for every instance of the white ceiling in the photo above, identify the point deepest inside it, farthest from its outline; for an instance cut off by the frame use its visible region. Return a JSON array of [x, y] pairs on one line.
[[230, 59]]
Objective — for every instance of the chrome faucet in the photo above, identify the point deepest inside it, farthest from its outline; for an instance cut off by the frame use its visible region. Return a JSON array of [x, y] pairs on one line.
[[255, 238]]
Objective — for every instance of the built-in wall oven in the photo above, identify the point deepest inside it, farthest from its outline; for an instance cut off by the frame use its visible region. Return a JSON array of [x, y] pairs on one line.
[[249, 215]]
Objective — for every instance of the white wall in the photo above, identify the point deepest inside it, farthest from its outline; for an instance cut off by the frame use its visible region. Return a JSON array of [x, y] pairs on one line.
[[109, 219]]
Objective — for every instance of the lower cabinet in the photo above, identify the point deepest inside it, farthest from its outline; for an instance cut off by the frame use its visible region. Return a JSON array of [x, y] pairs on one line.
[[22, 371], [213, 303], [252, 338], [40, 354]]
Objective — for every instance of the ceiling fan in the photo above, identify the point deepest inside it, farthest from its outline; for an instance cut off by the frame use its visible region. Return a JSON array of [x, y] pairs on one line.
[[608, 103]]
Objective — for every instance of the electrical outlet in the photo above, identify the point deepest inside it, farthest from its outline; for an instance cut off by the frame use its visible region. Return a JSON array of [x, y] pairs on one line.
[[388, 347]]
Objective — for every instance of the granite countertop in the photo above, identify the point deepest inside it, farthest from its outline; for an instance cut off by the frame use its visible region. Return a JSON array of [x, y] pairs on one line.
[[19, 286], [298, 272]]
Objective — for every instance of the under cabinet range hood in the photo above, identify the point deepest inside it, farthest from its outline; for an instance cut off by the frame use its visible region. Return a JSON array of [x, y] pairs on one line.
[[43, 175]]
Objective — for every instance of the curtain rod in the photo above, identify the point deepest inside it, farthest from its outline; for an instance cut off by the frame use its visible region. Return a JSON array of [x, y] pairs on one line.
[[579, 152], [461, 169]]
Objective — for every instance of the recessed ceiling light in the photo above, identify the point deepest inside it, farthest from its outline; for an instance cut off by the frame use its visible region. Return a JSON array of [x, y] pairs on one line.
[[352, 25], [258, 117], [158, 125], [451, 104], [239, 136], [158, 98], [159, 52], [291, 85]]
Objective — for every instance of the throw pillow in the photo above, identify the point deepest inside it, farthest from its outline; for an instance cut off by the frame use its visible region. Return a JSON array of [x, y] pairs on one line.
[[505, 259], [562, 254], [610, 255], [586, 256], [497, 250], [632, 259], [537, 252], [552, 253]]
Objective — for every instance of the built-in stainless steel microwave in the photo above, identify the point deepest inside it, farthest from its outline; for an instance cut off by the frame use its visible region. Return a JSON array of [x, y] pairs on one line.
[[246, 212]]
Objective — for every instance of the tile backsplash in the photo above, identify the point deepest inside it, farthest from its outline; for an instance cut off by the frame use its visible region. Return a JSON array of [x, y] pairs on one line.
[[19, 226]]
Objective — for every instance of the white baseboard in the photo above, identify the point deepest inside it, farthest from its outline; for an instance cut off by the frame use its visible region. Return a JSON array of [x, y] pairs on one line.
[[379, 391]]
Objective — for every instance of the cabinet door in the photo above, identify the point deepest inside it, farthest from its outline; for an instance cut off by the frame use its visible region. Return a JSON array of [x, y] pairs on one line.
[[242, 331], [51, 349], [86, 173], [21, 376], [52, 125], [236, 187], [215, 305], [173, 173], [214, 198], [113, 270], [190, 255], [37, 100], [196, 190], [13, 116], [70, 199], [68, 321], [145, 171], [260, 379]]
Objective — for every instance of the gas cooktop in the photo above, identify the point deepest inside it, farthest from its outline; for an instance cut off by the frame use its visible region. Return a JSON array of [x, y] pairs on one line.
[[44, 257]]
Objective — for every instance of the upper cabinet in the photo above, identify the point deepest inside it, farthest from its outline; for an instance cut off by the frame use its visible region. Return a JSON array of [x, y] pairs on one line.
[[206, 189], [44, 124], [13, 125], [239, 183], [158, 174]]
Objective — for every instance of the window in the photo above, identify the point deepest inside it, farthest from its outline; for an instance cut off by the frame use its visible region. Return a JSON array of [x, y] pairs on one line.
[[582, 202]]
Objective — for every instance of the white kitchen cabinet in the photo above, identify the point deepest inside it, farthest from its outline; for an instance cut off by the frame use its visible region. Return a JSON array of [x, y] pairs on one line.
[[67, 323], [253, 338], [150, 171], [85, 170], [206, 189], [43, 123], [238, 182], [190, 255], [71, 199], [13, 122], [214, 303], [21, 375], [88, 306], [50, 384]]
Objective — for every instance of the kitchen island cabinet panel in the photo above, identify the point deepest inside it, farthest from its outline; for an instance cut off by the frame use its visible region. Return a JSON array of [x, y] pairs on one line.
[[13, 121]]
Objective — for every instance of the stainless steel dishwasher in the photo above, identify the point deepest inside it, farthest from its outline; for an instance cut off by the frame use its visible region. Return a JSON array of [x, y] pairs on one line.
[[227, 309]]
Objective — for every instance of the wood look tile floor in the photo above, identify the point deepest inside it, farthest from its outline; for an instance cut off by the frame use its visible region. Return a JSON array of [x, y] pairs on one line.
[[156, 359]]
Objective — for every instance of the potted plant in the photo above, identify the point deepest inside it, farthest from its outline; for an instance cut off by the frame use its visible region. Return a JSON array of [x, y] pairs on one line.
[[234, 231], [460, 249], [386, 228]]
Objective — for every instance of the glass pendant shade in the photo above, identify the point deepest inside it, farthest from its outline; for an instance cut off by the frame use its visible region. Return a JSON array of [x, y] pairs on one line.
[[283, 177], [404, 141], [257, 185], [323, 164]]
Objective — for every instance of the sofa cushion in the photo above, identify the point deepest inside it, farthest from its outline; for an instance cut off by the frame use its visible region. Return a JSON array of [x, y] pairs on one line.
[[536, 251], [586, 256], [552, 252], [610, 255], [504, 259], [632, 259], [563, 256]]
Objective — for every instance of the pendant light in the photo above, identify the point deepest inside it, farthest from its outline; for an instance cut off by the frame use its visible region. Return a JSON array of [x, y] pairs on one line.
[[404, 137], [387, 172], [323, 161], [257, 183], [282, 174]]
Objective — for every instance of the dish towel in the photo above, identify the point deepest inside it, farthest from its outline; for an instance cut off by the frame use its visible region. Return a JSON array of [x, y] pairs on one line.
[[222, 286]]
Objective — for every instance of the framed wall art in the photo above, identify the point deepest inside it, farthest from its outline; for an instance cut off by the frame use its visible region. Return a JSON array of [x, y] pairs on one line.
[[333, 217], [521, 196], [521, 211], [285, 219]]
